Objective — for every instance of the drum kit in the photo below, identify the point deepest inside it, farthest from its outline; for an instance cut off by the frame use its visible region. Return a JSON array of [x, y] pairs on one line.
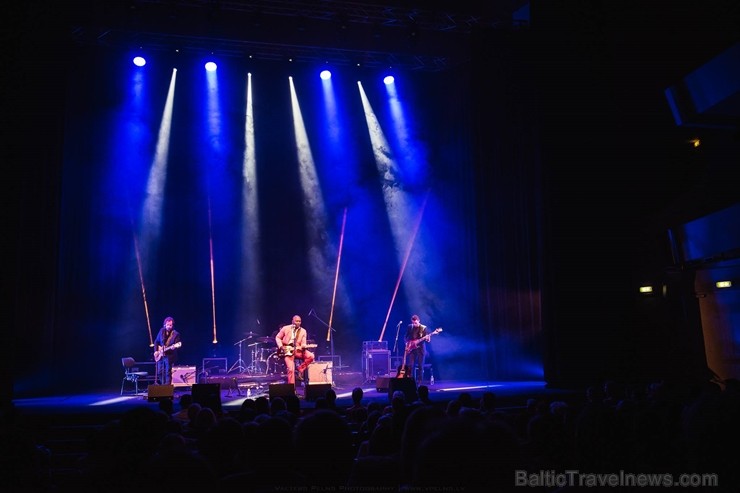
[[264, 356]]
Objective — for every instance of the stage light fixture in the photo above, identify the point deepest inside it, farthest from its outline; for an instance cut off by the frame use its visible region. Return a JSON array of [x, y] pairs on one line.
[[139, 61], [388, 79], [646, 289], [325, 75], [723, 284], [211, 66]]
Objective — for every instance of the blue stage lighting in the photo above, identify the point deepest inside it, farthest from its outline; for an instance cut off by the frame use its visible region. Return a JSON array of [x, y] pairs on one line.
[[139, 61]]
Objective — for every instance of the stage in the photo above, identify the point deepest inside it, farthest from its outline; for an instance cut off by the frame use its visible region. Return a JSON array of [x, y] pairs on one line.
[[231, 391]]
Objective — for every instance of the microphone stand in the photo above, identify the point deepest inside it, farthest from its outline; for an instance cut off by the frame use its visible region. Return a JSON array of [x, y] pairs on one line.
[[331, 342], [395, 343]]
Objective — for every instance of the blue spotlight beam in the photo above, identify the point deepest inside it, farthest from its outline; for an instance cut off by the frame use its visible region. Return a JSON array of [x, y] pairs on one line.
[[213, 277], [412, 240], [143, 286], [336, 277]]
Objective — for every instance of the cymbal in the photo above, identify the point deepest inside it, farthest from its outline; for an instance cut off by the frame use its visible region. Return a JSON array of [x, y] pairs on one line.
[[250, 334], [265, 339]]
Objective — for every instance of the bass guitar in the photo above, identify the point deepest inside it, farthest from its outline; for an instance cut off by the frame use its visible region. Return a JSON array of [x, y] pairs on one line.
[[288, 349], [404, 371], [160, 352], [411, 345]]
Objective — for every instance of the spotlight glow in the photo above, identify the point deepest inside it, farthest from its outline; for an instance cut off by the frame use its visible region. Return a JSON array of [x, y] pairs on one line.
[[139, 61], [211, 66], [388, 79], [325, 75]]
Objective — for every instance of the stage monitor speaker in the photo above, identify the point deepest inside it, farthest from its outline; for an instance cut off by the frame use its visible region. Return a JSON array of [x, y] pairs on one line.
[[208, 395], [156, 393], [281, 390], [320, 372], [405, 385], [381, 384], [316, 390]]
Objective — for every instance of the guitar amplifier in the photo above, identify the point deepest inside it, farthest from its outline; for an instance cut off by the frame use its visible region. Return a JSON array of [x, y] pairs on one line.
[[215, 366], [374, 346], [319, 372], [184, 376]]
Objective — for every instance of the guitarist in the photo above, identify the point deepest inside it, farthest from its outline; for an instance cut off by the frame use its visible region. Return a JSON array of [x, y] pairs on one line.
[[416, 334], [291, 342], [164, 354]]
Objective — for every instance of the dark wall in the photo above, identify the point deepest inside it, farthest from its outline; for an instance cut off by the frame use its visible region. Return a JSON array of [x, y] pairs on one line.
[[614, 164], [33, 107]]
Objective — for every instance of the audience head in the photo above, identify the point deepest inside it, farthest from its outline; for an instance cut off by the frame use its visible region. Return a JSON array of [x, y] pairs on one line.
[[451, 456], [357, 394]]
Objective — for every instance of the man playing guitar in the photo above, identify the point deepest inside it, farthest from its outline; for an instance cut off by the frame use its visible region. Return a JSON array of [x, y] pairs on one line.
[[291, 342], [165, 351], [415, 340]]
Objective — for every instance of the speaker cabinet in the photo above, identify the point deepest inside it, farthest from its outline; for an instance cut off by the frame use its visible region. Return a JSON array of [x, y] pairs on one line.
[[376, 362], [320, 372], [316, 390], [156, 393], [281, 390], [405, 385], [381, 384], [208, 395]]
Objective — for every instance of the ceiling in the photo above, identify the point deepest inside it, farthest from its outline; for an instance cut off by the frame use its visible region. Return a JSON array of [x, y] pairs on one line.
[[433, 36]]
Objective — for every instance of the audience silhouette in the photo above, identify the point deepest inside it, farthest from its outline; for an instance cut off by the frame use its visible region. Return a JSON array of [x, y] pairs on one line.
[[461, 444]]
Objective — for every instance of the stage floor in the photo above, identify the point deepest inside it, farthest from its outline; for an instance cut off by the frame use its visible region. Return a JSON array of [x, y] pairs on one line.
[[509, 395]]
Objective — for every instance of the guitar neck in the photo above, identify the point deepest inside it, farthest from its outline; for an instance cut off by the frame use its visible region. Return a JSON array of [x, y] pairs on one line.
[[411, 345]]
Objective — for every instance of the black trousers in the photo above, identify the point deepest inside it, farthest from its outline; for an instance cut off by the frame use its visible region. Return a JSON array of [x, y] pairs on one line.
[[415, 361]]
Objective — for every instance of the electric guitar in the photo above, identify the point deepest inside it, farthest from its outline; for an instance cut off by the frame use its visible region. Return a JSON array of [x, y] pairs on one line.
[[160, 352], [288, 349], [403, 370], [411, 345]]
